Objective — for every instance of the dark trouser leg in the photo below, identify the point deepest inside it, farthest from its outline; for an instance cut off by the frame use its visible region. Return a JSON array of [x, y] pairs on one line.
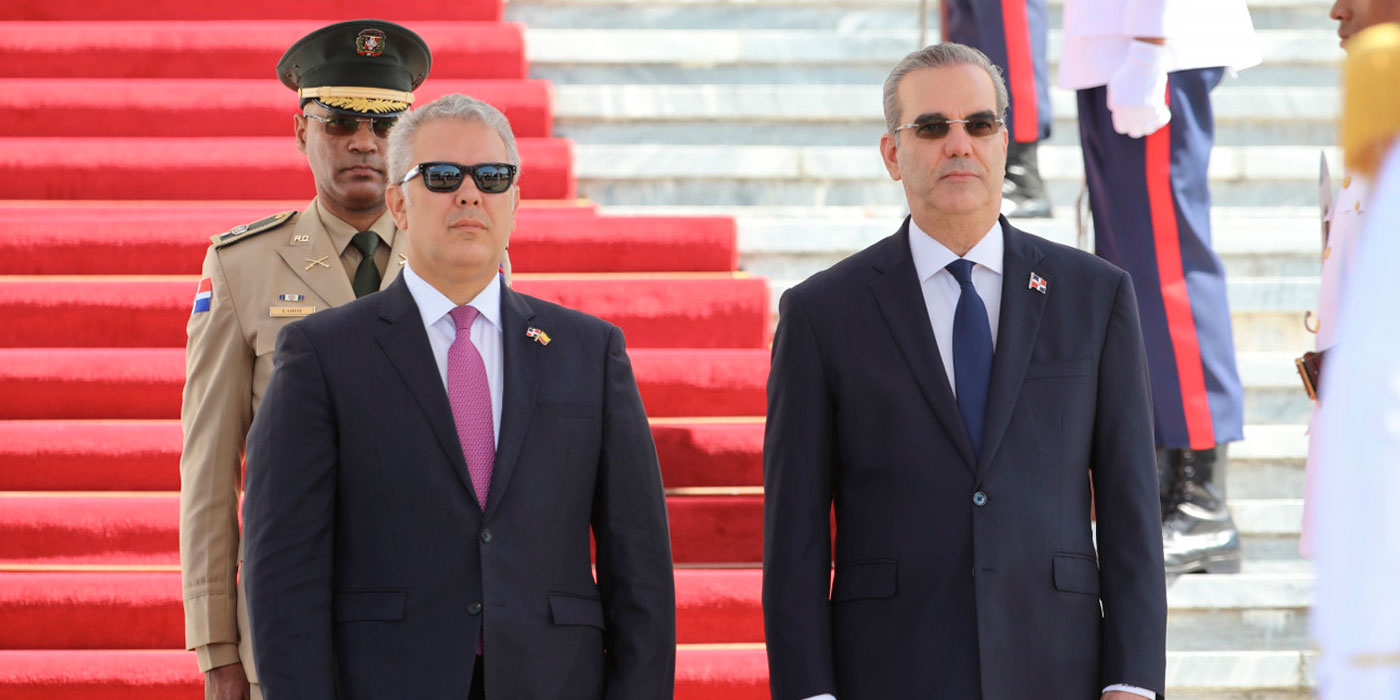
[[1151, 211], [1013, 35]]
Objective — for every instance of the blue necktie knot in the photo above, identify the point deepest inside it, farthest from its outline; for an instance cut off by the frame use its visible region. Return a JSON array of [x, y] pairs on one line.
[[961, 269]]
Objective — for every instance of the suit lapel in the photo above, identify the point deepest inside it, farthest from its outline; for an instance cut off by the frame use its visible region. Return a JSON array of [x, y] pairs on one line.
[[317, 264], [405, 342], [1021, 311], [521, 359], [901, 301], [398, 256]]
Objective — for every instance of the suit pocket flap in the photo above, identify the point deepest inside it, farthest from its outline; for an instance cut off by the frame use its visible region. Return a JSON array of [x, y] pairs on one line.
[[1082, 367], [369, 605], [1076, 574], [867, 579], [571, 610]]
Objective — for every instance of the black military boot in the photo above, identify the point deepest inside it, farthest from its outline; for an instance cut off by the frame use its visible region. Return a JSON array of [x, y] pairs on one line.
[[1023, 192], [1166, 479], [1199, 535]]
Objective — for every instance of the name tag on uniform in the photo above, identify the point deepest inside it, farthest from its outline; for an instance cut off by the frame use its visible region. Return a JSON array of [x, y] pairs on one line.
[[290, 311]]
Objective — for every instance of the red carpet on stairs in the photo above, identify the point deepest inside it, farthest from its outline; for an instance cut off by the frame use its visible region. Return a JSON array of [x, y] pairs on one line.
[[247, 167], [702, 673], [402, 10], [231, 49], [128, 528], [138, 130], [678, 312], [172, 241], [142, 610], [220, 108], [144, 455], [145, 383]]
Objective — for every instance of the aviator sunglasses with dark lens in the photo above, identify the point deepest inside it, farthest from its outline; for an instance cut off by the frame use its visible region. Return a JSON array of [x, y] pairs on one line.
[[345, 126], [977, 125], [491, 178]]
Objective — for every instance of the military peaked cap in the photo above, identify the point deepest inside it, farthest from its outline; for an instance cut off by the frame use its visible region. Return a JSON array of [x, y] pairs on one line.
[[361, 67]]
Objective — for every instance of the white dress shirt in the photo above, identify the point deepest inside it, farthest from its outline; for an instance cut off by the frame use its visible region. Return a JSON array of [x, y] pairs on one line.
[[941, 292], [436, 310]]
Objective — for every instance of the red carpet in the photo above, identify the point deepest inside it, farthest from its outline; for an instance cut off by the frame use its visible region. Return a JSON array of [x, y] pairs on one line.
[[320, 10], [136, 131], [232, 49], [248, 167], [141, 528], [132, 241], [222, 108], [117, 455], [702, 673], [145, 383], [713, 312], [142, 610]]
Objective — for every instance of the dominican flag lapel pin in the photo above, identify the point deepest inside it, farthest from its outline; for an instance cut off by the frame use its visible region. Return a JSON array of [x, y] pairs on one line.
[[203, 294], [1037, 283], [537, 335]]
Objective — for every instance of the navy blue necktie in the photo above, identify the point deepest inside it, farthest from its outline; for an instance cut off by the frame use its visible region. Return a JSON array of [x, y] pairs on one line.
[[972, 353]]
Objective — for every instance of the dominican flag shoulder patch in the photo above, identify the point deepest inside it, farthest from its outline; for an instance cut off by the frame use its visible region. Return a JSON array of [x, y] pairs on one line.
[[203, 295]]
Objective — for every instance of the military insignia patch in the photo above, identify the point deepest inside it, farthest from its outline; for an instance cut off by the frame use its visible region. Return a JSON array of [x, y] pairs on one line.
[[370, 42]]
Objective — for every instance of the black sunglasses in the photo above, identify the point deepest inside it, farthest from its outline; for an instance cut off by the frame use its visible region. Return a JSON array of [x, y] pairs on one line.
[[345, 126], [934, 129], [491, 178]]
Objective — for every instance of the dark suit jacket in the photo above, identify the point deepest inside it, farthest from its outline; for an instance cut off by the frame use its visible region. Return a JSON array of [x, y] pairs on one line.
[[935, 596], [371, 571]]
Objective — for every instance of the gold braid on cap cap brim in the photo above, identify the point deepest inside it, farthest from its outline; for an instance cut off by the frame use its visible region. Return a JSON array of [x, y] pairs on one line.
[[1371, 115], [360, 99]]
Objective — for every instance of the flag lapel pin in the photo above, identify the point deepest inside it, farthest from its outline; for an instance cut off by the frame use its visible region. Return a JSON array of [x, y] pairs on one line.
[[537, 335], [1037, 283]]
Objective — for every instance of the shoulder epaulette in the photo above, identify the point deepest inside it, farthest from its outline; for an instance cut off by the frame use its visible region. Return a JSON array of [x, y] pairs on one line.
[[246, 231]]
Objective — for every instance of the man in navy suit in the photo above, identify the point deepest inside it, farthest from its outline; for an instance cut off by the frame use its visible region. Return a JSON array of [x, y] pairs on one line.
[[962, 394], [429, 461]]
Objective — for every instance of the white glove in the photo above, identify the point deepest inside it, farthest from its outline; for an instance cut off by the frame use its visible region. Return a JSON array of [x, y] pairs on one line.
[[1137, 92]]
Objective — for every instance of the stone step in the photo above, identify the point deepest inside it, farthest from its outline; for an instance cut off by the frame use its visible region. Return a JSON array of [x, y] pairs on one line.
[[810, 14], [864, 57], [850, 115], [1282, 242], [1257, 612], [763, 175], [1240, 675]]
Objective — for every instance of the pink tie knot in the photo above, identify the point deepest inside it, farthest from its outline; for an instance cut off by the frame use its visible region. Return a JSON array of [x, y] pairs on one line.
[[464, 316]]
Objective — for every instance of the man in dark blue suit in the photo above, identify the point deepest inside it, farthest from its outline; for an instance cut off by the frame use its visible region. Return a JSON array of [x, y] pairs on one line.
[[429, 462], [962, 394]]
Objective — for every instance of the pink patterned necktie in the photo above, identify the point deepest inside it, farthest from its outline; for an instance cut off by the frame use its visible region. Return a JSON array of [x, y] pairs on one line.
[[470, 396]]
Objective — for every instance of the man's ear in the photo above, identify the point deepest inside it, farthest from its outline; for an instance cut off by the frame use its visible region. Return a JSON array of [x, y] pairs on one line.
[[889, 151], [397, 201], [299, 124]]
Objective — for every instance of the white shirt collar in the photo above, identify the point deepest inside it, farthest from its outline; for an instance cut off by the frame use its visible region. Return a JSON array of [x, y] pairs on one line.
[[434, 305], [931, 256]]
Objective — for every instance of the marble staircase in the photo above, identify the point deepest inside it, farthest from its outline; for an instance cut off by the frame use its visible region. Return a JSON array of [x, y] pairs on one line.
[[769, 111]]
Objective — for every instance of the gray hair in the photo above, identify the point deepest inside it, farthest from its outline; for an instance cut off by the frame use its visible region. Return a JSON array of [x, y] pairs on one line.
[[939, 56], [452, 106]]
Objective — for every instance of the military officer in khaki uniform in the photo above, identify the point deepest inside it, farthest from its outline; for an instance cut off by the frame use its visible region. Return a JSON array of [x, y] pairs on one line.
[[353, 80]]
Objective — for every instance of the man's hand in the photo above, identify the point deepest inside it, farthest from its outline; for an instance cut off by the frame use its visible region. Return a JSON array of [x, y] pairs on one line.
[[1137, 92], [229, 683]]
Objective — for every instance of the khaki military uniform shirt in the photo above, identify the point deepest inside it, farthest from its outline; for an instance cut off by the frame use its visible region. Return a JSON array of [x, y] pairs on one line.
[[264, 277]]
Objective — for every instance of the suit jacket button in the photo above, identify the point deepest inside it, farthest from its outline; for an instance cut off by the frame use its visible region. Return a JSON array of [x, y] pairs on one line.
[[979, 499], [486, 536], [474, 608]]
